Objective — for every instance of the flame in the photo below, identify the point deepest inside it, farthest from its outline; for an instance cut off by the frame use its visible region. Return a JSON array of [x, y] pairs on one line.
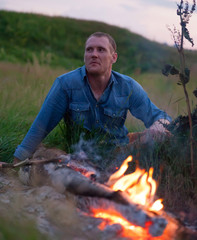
[[141, 188], [112, 217], [128, 230], [139, 185]]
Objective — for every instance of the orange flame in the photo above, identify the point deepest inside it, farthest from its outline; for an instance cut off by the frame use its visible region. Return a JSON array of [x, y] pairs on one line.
[[139, 185], [128, 230], [112, 217], [141, 189]]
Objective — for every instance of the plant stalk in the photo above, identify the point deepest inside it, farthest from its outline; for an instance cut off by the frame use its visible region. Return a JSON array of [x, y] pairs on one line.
[[182, 67]]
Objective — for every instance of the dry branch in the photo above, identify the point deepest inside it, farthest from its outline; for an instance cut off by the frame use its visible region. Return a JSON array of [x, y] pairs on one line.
[[28, 162]]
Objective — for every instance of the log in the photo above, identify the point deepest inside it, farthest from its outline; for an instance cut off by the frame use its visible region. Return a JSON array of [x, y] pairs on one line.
[[66, 179]]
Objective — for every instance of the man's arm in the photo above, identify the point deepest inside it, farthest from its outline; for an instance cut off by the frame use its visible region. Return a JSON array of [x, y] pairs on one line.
[[142, 108], [52, 111]]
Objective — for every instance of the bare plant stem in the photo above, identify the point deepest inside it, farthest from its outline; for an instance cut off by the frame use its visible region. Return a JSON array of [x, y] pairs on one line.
[[182, 67]]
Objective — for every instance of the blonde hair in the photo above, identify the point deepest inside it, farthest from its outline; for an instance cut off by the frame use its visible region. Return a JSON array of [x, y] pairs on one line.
[[109, 37]]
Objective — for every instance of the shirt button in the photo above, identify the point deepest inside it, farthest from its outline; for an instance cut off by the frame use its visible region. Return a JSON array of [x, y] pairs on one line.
[[96, 105], [97, 121]]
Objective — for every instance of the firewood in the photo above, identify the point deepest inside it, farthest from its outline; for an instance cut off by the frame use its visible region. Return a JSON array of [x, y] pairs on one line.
[[67, 179]]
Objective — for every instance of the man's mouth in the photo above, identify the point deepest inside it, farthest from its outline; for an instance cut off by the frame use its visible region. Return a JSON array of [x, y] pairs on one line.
[[94, 63]]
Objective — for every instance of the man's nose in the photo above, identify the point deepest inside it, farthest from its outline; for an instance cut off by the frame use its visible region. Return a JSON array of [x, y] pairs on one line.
[[94, 53]]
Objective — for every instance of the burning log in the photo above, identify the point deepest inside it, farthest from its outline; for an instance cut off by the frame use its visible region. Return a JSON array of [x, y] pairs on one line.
[[70, 180], [66, 179]]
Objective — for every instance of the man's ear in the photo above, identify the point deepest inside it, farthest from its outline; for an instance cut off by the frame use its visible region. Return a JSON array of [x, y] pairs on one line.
[[114, 57]]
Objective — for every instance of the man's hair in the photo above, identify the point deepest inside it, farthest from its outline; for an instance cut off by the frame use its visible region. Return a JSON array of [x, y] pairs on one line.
[[109, 37]]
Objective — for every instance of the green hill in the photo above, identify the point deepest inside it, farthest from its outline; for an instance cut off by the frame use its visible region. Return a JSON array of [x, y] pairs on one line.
[[60, 41]]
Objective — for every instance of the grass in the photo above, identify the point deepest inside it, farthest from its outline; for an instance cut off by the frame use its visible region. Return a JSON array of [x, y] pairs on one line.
[[12, 229], [23, 89]]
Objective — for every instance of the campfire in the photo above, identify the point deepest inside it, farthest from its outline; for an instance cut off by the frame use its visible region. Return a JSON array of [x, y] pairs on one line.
[[126, 203]]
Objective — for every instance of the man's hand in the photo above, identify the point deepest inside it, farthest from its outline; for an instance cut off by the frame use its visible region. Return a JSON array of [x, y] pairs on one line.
[[158, 126], [157, 132]]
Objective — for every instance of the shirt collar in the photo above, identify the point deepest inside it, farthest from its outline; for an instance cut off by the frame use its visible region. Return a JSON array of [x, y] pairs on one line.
[[83, 72], [84, 76], [113, 78]]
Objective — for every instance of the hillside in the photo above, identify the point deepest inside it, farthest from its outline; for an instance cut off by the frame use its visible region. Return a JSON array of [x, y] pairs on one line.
[[60, 41]]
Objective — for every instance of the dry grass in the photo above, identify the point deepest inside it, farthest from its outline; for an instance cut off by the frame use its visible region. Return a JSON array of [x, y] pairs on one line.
[[24, 87]]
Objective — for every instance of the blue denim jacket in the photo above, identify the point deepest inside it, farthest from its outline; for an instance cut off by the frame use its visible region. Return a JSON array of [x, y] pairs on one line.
[[71, 95]]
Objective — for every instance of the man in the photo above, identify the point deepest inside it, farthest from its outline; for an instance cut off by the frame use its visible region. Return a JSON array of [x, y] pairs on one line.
[[93, 96]]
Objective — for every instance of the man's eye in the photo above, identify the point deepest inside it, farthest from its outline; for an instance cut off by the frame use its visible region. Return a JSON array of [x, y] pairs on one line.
[[88, 49], [101, 49]]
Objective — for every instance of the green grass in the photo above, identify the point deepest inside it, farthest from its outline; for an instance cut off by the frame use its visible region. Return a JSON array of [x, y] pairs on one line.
[[22, 92], [14, 229]]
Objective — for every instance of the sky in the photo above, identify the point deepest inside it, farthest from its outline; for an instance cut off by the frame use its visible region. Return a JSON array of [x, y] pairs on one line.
[[149, 18]]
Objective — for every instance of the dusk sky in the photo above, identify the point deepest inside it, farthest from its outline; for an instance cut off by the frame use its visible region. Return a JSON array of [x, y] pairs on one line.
[[148, 18]]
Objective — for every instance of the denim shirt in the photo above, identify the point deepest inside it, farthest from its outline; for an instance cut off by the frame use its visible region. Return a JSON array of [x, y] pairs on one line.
[[71, 95]]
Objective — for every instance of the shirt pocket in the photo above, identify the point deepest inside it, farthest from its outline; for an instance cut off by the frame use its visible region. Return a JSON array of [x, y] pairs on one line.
[[79, 112], [114, 118]]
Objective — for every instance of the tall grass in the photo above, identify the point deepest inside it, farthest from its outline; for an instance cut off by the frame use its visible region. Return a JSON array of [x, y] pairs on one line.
[[22, 92], [23, 88]]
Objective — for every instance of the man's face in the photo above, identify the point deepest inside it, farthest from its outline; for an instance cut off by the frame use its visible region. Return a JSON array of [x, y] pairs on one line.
[[99, 55]]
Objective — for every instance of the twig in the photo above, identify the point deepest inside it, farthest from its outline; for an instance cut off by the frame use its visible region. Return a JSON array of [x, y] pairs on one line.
[[28, 162]]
